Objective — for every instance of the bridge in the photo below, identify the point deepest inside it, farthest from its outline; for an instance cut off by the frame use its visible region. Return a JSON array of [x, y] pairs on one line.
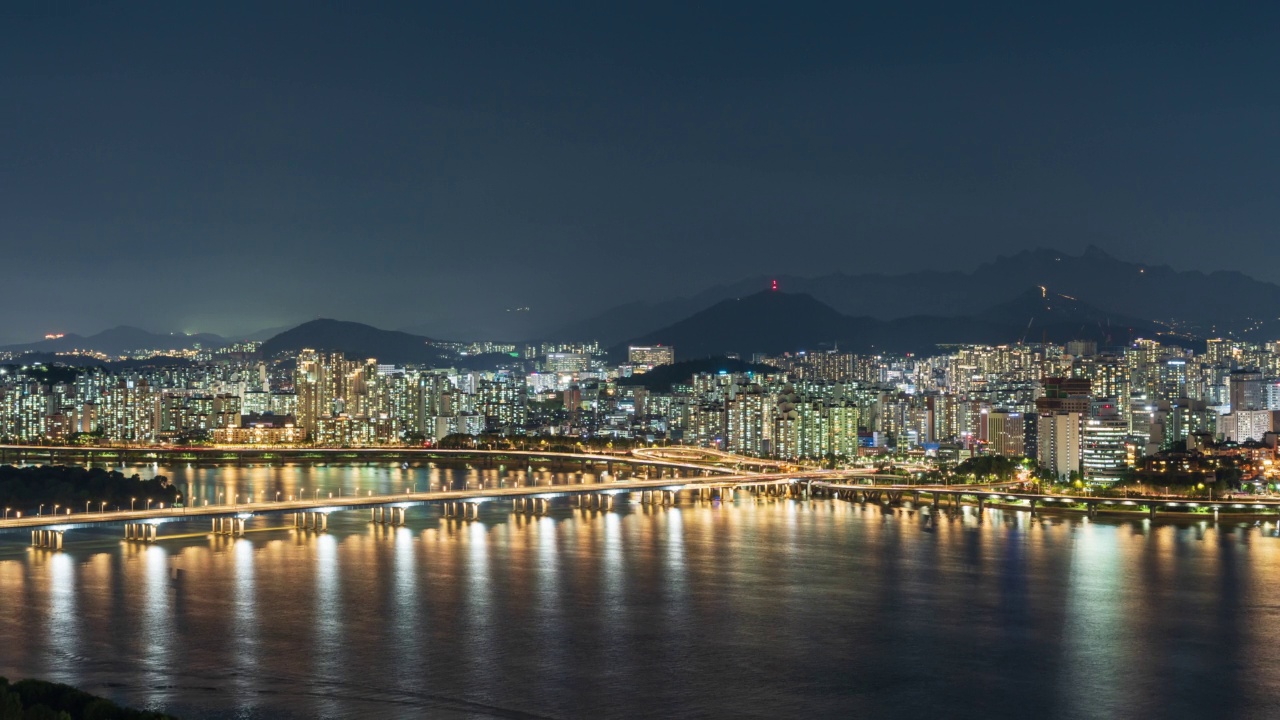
[[63, 454], [47, 531], [701, 455], [984, 495]]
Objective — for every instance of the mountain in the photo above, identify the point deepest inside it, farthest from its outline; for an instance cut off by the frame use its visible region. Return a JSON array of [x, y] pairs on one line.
[[776, 322], [770, 322], [120, 340], [1191, 302], [1042, 313], [356, 340]]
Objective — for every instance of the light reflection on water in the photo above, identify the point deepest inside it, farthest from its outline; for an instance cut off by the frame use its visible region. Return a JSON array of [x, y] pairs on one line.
[[748, 609]]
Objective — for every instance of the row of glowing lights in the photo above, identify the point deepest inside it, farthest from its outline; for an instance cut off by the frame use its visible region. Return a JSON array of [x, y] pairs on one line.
[[300, 498], [1105, 501]]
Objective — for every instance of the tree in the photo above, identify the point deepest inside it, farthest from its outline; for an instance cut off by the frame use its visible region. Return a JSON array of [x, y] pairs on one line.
[[984, 467]]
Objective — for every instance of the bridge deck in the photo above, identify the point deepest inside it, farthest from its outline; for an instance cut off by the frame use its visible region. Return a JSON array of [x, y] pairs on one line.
[[399, 499]]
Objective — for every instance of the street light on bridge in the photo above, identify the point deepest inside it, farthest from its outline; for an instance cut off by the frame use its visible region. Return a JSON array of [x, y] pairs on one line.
[[133, 504]]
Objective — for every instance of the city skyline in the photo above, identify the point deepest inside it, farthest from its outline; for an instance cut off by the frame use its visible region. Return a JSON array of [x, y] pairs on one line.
[[639, 359]]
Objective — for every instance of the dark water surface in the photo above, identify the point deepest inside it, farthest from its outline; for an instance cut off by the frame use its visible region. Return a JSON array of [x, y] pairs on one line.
[[761, 608]]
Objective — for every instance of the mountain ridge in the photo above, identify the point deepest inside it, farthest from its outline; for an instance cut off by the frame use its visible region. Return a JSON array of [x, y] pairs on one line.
[[1196, 302], [775, 322], [118, 340], [356, 341]]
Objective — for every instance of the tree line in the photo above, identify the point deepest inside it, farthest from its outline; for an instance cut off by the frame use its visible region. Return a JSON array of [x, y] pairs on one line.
[[25, 489]]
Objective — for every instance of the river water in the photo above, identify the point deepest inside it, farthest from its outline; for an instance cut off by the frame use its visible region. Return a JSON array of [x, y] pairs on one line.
[[761, 608]]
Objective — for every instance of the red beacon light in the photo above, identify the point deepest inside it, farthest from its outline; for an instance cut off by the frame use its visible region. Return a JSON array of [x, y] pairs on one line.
[[775, 286]]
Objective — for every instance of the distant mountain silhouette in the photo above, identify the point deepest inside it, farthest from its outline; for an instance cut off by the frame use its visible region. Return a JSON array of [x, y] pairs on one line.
[[777, 322], [1198, 303], [355, 340], [119, 341]]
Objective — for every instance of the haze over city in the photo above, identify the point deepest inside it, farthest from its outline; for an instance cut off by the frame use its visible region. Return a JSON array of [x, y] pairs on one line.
[[234, 167]]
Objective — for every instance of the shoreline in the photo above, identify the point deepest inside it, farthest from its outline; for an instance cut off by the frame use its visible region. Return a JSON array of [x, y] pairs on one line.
[[1117, 514]]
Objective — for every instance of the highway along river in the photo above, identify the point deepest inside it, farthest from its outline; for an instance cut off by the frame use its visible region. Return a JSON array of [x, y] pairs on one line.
[[762, 607]]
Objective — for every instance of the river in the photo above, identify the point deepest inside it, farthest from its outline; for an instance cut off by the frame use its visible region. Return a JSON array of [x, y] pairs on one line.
[[761, 608]]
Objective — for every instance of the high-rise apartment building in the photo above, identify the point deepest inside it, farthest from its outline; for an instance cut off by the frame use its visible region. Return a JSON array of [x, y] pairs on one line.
[[1103, 454], [1058, 441], [651, 355]]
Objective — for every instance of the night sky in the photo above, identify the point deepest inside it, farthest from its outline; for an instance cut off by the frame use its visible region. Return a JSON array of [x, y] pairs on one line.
[[236, 166]]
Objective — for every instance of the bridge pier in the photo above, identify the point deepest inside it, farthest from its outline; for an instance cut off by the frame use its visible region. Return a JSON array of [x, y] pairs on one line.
[[1151, 510], [1091, 509], [595, 501], [47, 539], [388, 516], [1032, 502], [141, 532], [526, 505], [462, 510], [658, 497], [306, 521]]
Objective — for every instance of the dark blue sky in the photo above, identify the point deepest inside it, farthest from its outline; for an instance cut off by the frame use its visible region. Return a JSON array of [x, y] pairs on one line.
[[232, 166]]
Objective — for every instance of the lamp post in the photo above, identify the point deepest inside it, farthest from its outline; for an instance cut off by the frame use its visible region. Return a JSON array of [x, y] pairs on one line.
[[149, 503], [40, 510], [6, 513], [103, 508], [133, 504], [86, 506]]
